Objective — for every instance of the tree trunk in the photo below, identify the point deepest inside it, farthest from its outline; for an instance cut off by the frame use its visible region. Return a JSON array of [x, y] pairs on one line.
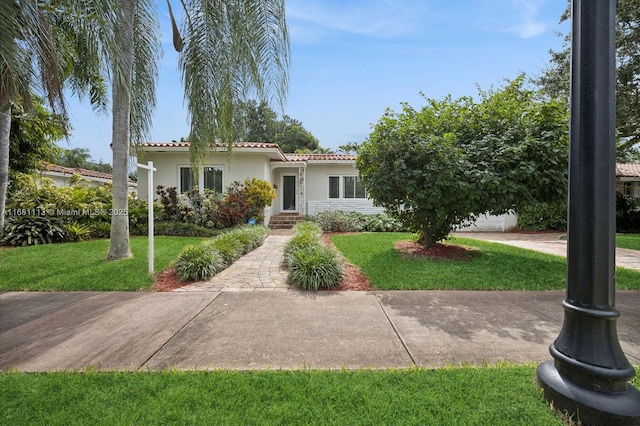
[[119, 242], [5, 128]]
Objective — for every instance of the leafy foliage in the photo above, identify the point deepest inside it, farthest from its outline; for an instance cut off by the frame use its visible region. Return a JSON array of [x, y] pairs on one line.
[[260, 195], [627, 214], [543, 216], [341, 221], [30, 230], [443, 165], [198, 263], [314, 267], [311, 264], [181, 229], [555, 80]]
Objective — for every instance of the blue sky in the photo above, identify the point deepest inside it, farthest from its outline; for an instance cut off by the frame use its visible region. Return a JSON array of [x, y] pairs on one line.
[[351, 59]]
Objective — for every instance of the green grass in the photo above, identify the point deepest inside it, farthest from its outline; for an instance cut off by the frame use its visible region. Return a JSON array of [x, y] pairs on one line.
[[499, 267], [83, 266], [504, 395], [630, 241]]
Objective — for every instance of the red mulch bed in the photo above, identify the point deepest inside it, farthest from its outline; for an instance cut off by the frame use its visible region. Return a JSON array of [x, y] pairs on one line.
[[168, 280], [439, 251], [352, 278]]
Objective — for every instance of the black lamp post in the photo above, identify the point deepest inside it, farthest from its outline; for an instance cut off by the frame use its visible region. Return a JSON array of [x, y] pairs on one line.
[[589, 376]]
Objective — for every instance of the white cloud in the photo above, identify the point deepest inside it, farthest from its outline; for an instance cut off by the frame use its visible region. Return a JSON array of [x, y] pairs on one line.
[[381, 18], [529, 25]]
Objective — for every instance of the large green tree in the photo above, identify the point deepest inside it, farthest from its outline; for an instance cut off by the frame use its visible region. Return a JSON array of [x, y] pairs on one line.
[[44, 45], [33, 136], [445, 164], [555, 80], [260, 123]]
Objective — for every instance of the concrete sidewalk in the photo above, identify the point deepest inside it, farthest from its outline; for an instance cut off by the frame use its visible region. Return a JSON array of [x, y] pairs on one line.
[[549, 243], [286, 329]]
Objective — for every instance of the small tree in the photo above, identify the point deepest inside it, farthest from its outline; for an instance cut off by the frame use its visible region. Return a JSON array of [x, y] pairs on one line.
[[453, 160]]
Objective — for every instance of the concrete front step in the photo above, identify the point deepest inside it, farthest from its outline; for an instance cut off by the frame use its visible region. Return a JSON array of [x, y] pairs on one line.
[[285, 220]]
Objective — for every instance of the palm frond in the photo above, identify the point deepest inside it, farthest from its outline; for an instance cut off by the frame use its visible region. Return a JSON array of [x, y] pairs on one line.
[[147, 52], [232, 49]]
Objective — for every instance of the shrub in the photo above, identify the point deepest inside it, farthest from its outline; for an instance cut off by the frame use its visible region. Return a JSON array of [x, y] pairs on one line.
[[232, 207], [543, 216], [251, 237], [305, 234], [229, 246], [100, 229], [76, 231], [314, 267], [32, 230], [311, 265], [339, 221], [198, 263], [181, 229], [260, 194], [627, 214]]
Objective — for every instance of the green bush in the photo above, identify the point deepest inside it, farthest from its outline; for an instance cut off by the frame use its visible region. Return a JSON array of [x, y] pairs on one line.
[[340, 221], [32, 230], [181, 229], [314, 267], [198, 263], [229, 246], [251, 237], [311, 265], [100, 229], [305, 234], [77, 231], [543, 216]]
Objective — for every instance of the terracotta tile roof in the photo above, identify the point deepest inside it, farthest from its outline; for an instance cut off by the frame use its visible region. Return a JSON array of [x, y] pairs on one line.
[[219, 145], [320, 157], [627, 169], [82, 172], [262, 145]]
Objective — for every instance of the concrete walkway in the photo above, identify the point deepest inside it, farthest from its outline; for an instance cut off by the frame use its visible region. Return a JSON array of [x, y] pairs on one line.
[[250, 319], [292, 329], [549, 243]]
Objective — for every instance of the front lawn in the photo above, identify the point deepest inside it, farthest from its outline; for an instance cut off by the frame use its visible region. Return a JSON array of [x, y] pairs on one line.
[[499, 267], [83, 265], [466, 396], [629, 241]]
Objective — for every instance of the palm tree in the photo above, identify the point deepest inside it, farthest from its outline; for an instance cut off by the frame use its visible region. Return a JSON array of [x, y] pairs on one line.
[[230, 49], [43, 46], [135, 72]]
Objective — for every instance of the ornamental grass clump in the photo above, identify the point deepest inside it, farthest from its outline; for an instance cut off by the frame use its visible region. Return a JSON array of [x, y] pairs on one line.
[[311, 265], [305, 234], [251, 237], [229, 246], [198, 263], [315, 267]]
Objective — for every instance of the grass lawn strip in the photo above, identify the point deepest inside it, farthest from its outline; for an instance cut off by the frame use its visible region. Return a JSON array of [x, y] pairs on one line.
[[83, 265], [466, 395], [629, 241], [500, 267]]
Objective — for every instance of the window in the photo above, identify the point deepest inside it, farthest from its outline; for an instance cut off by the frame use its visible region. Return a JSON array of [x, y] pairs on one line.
[[210, 177], [353, 187], [213, 179], [334, 187], [346, 187]]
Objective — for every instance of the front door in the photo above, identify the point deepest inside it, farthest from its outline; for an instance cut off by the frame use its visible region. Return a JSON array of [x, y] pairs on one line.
[[289, 193]]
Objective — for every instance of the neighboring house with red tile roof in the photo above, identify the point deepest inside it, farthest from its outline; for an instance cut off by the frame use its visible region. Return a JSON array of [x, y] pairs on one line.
[[305, 183], [61, 176], [628, 179]]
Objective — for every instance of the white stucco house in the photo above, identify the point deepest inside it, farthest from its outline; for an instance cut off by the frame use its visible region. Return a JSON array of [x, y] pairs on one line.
[[305, 183], [628, 179]]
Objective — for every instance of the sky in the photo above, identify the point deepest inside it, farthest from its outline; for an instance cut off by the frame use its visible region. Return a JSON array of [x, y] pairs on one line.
[[353, 59]]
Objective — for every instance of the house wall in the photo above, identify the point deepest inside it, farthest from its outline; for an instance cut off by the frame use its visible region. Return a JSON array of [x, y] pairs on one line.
[[491, 223], [167, 164], [317, 178]]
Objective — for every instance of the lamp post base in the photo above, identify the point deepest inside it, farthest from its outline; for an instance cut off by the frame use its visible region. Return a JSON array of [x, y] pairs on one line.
[[590, 406]]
